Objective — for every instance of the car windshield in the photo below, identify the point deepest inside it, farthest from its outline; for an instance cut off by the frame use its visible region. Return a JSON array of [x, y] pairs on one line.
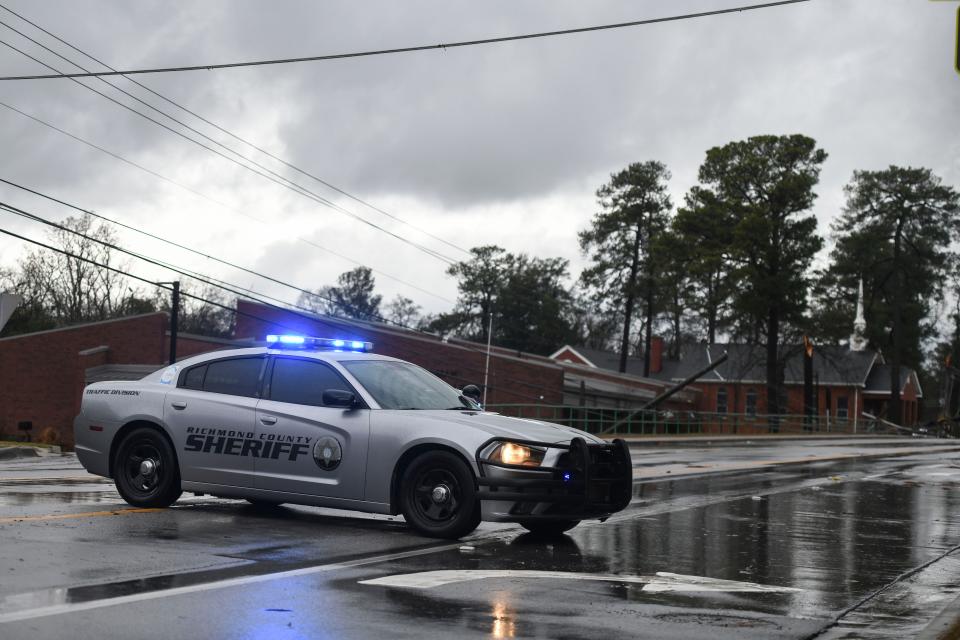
[[401, 385]]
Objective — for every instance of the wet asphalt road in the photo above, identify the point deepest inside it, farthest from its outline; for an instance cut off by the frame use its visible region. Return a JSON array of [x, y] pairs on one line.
[[792, 540]]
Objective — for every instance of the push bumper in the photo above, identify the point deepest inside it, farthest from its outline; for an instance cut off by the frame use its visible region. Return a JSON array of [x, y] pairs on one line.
[[586, 481]]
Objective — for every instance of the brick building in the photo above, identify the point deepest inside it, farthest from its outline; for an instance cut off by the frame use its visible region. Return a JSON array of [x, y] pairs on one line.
[[42, 374], [849, 380]]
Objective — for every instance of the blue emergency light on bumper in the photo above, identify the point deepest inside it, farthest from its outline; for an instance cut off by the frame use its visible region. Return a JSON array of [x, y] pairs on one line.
[[587, 479], [307, 342]]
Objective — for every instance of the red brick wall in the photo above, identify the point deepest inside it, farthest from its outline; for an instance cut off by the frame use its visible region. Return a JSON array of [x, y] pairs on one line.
[[42, 374], [511, 380]]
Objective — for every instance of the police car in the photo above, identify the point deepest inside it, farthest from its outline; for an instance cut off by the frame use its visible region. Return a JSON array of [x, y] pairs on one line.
[[326, 422]]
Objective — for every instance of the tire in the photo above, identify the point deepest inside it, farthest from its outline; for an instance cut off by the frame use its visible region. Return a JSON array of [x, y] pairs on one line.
[[549, 528], [438, 496], [155, 486], [263, 504]]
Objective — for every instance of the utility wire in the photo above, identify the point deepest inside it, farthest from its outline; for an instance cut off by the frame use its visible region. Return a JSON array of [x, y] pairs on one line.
[[265, 173], [157, 263], [20, 212], [302, 312], [228, 132], [192, 191], [127, 274], [164, 240], [429, 47]]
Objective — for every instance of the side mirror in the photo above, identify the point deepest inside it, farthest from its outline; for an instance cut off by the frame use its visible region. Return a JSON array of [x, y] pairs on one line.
[[472, 391], [339, 398]]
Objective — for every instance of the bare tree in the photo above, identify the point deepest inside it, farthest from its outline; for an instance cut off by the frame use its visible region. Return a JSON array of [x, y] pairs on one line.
[[402, 311], [72, 284]]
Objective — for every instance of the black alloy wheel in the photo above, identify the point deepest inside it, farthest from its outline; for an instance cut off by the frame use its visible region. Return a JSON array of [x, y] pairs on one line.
[[549, 528], [438, 496], [145, 469]]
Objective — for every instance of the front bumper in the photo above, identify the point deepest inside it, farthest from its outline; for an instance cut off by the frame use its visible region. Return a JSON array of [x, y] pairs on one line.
[[586, 481]]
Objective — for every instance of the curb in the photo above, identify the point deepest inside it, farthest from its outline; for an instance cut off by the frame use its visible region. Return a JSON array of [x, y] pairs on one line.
[[765, 441], [763, 464]]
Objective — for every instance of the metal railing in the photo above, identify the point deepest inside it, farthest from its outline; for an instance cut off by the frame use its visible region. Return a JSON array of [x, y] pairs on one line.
[[646, 422]]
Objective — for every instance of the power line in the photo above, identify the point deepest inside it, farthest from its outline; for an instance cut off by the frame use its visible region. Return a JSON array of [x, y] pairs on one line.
[[310, 316], [161, 239], [240, 292], [135, 277], [226, 131], [192, 191], [264, 173], [193, 274], [430, 47]]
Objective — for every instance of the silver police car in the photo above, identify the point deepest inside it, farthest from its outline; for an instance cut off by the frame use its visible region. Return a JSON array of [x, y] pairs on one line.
[[325, 422]]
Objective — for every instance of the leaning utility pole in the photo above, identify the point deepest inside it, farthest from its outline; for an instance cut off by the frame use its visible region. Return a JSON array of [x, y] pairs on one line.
[[174, 318], [486, 367]]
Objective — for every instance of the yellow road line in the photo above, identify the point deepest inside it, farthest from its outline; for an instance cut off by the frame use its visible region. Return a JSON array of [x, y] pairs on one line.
[[65, 516]]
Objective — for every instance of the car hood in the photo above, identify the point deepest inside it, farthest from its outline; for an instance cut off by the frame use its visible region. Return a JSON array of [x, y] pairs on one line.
[[499, 426]]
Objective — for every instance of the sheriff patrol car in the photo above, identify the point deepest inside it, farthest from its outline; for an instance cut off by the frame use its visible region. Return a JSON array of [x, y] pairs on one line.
[[326, 422]]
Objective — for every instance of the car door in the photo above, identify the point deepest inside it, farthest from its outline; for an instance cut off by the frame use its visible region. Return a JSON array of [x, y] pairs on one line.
[[309, 448], [212, 415]]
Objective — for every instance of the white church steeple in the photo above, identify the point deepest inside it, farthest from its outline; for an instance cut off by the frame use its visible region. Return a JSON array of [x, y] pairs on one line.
[[858, 341]]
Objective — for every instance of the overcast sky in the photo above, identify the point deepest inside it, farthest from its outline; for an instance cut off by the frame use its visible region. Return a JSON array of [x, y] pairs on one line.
[[500, 144]]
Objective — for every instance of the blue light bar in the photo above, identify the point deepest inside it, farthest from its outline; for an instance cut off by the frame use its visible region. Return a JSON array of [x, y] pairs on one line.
[[307, 342]]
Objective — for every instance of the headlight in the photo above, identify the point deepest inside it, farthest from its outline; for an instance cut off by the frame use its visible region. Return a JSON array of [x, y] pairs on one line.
[[516, 454]]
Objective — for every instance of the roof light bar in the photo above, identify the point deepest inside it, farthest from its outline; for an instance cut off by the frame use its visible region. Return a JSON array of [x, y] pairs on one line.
[[308, 342]]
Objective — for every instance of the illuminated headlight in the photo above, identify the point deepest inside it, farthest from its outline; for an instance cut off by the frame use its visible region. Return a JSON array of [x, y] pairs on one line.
[[515, 454]]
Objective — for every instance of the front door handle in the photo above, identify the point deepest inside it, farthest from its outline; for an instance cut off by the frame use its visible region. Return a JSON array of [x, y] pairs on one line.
[[268, 420], [178, 405]]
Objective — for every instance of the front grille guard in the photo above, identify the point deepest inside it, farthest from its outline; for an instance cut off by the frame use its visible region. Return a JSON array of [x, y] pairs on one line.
[[584, 475]]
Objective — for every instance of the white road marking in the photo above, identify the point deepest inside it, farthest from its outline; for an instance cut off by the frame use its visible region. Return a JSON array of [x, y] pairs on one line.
[[662, 581], [58, 609]]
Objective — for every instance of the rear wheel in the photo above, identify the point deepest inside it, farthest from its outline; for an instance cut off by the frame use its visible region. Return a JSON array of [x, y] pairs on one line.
[[438, 496], [549, 528], [145, 469]]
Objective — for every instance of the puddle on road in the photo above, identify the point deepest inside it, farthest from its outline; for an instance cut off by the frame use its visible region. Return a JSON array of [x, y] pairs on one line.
[[839, 544]]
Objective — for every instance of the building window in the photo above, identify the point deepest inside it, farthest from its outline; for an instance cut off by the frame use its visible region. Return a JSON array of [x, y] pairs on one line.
[[842, 408], [751, 402], [722, 400]]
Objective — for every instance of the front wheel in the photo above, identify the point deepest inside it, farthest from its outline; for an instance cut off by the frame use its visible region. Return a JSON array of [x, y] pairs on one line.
[[549, 528], [145, 469], [438, 497]]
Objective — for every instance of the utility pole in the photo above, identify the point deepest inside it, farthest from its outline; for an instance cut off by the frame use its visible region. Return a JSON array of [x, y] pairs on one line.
[[809, 408], [174, 318]]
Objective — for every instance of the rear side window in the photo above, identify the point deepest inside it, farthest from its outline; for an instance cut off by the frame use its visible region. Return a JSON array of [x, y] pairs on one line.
[[193, 378], [236, 376], [303, 381]]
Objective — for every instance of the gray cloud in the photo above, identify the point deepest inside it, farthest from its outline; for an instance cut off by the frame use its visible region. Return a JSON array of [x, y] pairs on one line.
[[466, 140]]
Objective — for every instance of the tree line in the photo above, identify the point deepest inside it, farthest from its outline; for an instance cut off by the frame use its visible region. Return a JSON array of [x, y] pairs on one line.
[[740, 260]]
